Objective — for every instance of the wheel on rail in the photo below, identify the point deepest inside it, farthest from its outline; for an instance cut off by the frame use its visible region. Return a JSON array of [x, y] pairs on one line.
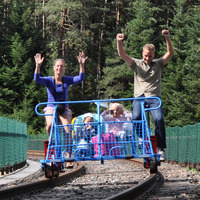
[[153, 165], [55, 170], [51, 171], [48, 171]]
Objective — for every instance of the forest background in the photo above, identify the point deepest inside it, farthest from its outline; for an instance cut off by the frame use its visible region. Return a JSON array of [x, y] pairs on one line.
[[62, 28]]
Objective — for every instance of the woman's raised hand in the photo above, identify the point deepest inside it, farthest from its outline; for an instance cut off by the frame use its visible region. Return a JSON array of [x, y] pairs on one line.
[[81, 58], [38, 59]]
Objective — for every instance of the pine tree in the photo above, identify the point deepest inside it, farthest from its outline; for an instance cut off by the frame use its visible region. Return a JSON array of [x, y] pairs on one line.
[[180, 79], [62, 28], [17, 71], [118, 78]]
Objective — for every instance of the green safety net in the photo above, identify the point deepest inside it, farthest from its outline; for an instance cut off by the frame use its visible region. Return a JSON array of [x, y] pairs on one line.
[[13, 142]]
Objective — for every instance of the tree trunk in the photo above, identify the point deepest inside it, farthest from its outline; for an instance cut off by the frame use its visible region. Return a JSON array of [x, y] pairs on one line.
[[99, 67], [43, 21], [118, 13]]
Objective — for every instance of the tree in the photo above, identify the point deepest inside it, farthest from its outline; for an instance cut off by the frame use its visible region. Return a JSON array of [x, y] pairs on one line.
[[180, 82], [118, 78], [62, 28], [17, 67]]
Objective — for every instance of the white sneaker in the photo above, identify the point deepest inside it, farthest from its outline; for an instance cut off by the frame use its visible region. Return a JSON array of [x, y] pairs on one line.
[[162, 155], [140, 146]]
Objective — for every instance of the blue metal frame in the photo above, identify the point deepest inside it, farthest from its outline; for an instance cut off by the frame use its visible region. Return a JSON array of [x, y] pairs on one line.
[[55, 152]]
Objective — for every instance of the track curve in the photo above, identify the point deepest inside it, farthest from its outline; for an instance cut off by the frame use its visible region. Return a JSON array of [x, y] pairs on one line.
[[116, 179], [37, 185]]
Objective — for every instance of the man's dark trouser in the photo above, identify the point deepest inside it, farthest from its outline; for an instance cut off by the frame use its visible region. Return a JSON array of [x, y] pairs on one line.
[[157, 117]]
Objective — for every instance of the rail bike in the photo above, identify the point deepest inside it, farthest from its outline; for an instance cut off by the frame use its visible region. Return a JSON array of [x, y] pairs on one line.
[[74, 142]]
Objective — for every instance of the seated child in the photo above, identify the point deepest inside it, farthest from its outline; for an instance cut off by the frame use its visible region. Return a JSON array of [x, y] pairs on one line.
[[87, 132], [89, 129], [115, 113]]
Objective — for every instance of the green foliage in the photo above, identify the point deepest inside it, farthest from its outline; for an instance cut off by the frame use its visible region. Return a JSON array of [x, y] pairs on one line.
[[118, 79], [62, 28], [116, 82], [181, 78]]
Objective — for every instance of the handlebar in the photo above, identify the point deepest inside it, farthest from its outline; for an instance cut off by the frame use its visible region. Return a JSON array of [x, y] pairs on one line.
[[97, 102]]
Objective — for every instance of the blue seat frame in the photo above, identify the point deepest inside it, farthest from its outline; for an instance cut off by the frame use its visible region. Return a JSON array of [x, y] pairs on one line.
[[133, 143]]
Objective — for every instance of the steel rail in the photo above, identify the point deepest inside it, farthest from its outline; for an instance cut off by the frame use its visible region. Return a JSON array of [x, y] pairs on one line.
[[136, 192], [132, 193], [41, 183]]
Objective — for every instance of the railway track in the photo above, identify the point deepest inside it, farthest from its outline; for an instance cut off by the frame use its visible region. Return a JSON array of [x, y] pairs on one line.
[[111, 181], [179, 183], [116, 179]]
